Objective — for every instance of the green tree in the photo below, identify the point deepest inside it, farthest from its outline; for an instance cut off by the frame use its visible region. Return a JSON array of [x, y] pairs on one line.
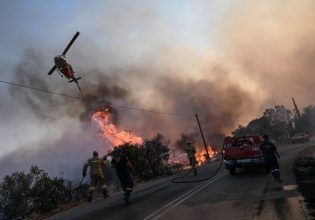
[[137, 156], [277, 122], [150, 159], [307, 121]]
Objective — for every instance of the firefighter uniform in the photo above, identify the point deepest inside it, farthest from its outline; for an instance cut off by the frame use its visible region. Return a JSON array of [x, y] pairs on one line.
[[96, 173], [191, 151], [123, 169], [269, 151]]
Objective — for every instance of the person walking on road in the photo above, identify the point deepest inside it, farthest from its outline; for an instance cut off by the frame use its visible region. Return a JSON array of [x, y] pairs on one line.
[[96, 173], [270, 152], [191, 151], [124, 172]]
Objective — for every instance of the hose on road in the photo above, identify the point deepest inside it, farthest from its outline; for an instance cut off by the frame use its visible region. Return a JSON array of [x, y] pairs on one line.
[[177, 179]]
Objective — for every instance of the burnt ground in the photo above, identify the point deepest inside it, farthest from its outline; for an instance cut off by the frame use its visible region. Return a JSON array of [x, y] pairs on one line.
[[304, 170]]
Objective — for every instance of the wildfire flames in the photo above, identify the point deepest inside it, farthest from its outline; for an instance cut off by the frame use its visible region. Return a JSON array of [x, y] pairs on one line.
[[111, 133], [201, 154], [115, 137]]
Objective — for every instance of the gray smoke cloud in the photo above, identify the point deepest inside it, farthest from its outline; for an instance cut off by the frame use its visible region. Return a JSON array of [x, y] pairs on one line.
[[219, 103], [261, 46], [271, 42], [30, 72], [63, 157]]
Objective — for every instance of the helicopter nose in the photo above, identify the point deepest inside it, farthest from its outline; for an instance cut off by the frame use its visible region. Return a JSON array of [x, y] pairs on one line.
[[56, 58]]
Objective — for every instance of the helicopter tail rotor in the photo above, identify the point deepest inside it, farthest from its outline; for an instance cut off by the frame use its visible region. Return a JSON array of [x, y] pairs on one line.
[[75, 79]]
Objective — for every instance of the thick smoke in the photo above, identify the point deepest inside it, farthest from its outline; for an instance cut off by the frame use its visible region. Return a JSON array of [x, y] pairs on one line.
[[272, 43], [63, 157], [265, 49], [219, 102], [30, 72]]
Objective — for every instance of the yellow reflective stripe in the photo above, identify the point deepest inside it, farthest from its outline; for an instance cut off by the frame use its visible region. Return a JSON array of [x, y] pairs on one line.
[[104, 186], [92, 188]]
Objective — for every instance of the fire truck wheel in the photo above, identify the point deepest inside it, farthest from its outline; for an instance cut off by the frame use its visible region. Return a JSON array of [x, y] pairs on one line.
[[232, 170]]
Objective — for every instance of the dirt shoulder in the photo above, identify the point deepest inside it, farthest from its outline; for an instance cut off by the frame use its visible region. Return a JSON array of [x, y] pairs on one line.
[[304, 170]]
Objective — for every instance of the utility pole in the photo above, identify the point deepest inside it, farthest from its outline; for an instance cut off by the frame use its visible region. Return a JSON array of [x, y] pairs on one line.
[[203, 138], [297, 111]]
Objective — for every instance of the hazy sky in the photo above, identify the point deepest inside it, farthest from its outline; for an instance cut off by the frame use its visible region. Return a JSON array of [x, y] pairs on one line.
[[47, 26], [226, 58]]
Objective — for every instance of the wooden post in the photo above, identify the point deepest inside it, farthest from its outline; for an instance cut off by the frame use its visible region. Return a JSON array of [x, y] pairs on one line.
[[203, 138]]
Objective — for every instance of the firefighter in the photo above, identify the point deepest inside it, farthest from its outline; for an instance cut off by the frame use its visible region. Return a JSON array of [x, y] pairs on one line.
[[96, 173], [124, 172], [270, 152], [190, 150]]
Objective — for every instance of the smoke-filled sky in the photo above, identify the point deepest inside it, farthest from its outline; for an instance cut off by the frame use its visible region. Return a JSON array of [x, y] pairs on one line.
[[225, 60]]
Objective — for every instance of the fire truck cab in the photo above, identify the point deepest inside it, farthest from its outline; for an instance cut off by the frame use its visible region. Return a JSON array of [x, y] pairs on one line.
[[242, 152]]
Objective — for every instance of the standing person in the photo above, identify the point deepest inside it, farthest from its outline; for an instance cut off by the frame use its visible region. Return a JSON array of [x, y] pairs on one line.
[[269, 151], [124, 172], [96, 173], [191, 151]]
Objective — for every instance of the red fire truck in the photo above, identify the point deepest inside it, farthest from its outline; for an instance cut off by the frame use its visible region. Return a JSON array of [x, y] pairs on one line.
[[242, 152], [300, 138]]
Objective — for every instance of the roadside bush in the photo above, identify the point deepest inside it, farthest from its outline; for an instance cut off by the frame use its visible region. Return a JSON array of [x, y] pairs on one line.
[[150, 159], [15, 195], [22, 193], [48, 193]]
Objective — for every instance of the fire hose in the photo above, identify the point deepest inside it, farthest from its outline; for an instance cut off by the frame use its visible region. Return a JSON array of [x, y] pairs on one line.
[[81, 182], [79, 187], [176, 180]]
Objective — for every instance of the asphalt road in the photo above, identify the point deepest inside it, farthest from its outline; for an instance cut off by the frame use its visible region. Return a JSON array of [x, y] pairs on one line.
[[250, 194]]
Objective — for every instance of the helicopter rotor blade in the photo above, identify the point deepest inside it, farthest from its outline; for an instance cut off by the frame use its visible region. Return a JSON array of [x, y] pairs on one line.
[[52, 70], [70, 43]]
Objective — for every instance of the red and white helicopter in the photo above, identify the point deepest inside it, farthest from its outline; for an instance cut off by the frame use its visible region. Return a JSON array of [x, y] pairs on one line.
[[63, 67]]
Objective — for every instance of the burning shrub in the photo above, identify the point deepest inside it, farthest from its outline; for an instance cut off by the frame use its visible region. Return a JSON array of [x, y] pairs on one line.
[[148, 157], [201, 154]]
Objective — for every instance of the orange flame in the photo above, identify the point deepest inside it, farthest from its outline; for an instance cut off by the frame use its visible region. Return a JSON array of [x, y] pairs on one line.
[[110, 133], [201, 154]]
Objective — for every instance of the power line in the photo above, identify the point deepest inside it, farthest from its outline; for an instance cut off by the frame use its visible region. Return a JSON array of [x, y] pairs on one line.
[[117, 106], [40, 90], [153, 111]]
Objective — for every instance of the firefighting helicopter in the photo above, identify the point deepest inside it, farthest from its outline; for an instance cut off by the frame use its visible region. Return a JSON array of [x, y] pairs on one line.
[[63, 66]]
